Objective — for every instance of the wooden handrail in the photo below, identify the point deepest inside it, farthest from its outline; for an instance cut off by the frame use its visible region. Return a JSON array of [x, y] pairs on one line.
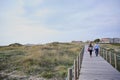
[[107, 53], [74, 72]]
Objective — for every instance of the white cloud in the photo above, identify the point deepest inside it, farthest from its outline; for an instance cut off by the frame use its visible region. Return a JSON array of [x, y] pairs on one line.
[[103, 14], [43, 12], [31, 31], [32, 2], [27, 33], [33, 21], [18, 28]]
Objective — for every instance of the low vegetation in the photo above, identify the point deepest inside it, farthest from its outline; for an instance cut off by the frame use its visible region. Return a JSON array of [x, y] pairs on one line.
[[41, 61], [114, 48]]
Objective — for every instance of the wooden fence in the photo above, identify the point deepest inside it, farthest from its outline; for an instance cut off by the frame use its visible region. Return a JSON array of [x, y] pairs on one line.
[[74, 71], [111, 56]]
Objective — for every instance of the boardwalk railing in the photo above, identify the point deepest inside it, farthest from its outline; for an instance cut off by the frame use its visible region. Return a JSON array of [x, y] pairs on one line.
[[111, 56], [74, 71]]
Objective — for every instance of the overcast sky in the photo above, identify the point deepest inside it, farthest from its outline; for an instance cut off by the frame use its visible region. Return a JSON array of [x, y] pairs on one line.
[[42, 21]]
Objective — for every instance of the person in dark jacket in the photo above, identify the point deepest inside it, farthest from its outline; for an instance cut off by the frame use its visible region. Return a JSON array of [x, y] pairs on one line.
[[90, 49]]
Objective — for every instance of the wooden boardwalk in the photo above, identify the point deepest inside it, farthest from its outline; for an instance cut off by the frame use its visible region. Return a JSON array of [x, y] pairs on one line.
[[96, 68]]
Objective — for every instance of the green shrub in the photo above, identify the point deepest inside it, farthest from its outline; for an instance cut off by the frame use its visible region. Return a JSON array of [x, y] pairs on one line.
[[47, 74], [62, 73]]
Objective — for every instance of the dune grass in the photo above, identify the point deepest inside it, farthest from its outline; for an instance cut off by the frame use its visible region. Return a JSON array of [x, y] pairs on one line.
[[48, 60], [114, 48]]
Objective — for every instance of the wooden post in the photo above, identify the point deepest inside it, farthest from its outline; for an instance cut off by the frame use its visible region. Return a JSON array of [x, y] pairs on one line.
[[75, 70], [69, 74], [103, 53], [82, 55], [100, 52], [115, 59], [77, 67], [106, 55], [110, 59], [79, 61]]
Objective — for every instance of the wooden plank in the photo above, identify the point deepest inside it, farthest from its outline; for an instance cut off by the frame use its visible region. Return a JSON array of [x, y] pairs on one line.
[[96, 68]]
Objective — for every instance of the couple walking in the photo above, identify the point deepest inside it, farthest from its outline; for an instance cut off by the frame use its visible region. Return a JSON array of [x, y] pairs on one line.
[[91, 48]]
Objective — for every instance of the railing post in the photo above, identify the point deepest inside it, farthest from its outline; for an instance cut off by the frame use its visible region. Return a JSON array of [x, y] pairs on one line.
[[106, 55], [79, 61], [82, 55], [115, 59], [69, 74], [110, 59], [75, 70], [103, 53], [77, 67], [80, 58], [100, 52]]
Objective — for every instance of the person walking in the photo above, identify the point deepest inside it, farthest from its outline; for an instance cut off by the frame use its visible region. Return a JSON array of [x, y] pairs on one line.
[[96, 48], [90, 49]]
